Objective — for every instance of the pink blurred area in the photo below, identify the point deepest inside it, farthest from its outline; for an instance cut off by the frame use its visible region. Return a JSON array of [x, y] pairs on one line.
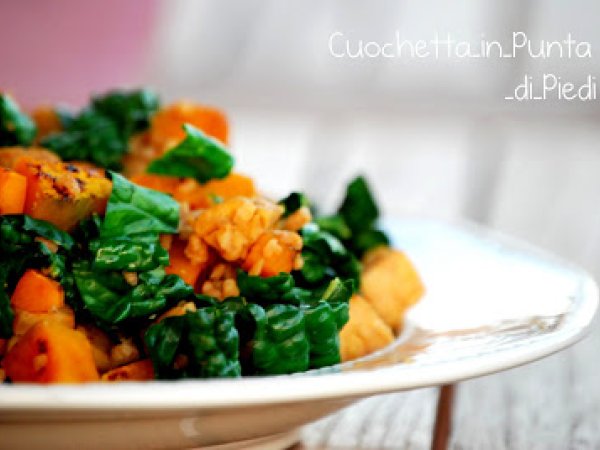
[[64, 50]]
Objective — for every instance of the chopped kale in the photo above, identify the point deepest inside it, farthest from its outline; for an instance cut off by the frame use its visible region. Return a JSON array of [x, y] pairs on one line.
[[197, 156], [355, 223], [134, 210], [325, 258], [90, 136], [206, 341], [100, 132], [359, 209], [130, 111]]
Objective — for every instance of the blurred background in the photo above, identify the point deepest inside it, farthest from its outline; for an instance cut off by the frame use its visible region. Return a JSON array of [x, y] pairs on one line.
[[435, 137]]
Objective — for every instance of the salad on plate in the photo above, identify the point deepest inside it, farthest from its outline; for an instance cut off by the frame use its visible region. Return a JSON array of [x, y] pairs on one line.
[[131, 250]]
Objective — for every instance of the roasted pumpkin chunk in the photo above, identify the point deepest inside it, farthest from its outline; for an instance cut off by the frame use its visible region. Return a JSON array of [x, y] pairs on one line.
[[390, 283], [51, 353], [365, 332], [37, 293], [13, 188], [62, 193]]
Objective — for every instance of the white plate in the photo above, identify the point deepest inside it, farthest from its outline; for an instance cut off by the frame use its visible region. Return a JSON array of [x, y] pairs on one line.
[[492, 303]]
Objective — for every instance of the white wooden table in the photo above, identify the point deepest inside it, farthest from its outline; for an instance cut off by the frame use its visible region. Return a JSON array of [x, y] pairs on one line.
[[537, 177]]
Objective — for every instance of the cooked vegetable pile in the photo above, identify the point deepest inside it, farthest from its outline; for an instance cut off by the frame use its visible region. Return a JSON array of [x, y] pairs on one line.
[[129, 250]]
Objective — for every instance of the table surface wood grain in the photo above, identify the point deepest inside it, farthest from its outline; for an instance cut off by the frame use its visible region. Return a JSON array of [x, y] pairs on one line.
[[501, 172]]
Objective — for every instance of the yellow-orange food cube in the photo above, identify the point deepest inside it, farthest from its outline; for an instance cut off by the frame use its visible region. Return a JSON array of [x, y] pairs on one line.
[[365, 332], [13, 189], [51, 353], [37, 293], [391, 284]]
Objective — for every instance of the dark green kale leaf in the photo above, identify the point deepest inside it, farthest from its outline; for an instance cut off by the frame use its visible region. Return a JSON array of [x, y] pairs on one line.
[[244, 321], [284, 332], [90, 136], [293, 203], [325, 258], [197, 156], [359, 208], [339, 291], [88, 229], [134, 210], [111, 300], [100, 132], [6, 313], [323, 324], [206, 338], [18, 240], [16, 128], [282, 289], [130, 111], [42, 228], [298, 296], [324, 321], [276, 289], [134, 255], [258, 289], [290, 338], [98, 296], [163, 339], [364, 241], [171, 286], [355, 223], [280, 344], [335, 225], [214, 342]]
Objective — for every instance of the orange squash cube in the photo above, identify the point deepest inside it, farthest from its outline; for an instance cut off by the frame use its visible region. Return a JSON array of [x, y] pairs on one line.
[[365, 332], [37, 293], [391, 284], [51, 353], [13, 188], [62, 193]]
